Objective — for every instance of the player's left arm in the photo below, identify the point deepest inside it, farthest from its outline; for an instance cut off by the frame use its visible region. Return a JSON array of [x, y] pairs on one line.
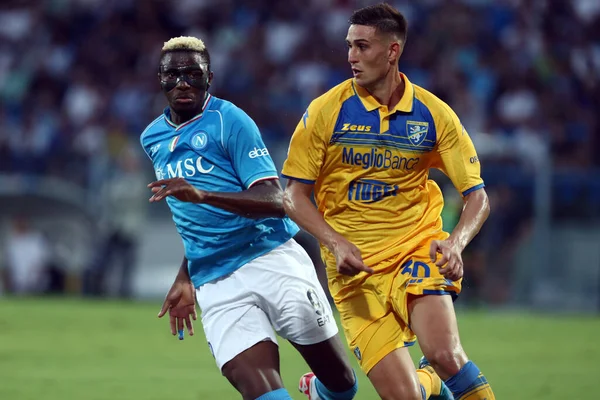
[[261, 196], [264, 199], [459, 160]]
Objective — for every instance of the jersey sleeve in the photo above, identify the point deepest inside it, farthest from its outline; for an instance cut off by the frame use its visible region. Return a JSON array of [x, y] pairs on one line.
[[307, 148], [457, 156], [248, 153]]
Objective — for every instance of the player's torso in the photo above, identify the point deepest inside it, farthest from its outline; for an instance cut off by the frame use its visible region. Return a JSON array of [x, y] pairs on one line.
[[373, 185], [216, 241], [381, 161], [194, 152]]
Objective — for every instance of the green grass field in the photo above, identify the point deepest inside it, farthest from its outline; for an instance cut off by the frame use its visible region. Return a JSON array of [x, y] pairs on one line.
[[54, 349]]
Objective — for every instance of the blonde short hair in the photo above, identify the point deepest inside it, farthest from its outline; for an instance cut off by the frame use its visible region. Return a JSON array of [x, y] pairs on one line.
[[189, 43]]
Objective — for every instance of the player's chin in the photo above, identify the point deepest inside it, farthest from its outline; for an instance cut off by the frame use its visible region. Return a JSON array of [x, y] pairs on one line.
[[184, 105], [361, 80]]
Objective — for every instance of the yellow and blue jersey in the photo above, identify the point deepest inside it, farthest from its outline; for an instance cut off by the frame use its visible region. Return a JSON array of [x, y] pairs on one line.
[[370, 165]]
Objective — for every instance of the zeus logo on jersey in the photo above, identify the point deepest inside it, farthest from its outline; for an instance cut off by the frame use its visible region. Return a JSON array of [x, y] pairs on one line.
[[378, 159], [356, 128], [370, 191], [258, 153], [184, 168]]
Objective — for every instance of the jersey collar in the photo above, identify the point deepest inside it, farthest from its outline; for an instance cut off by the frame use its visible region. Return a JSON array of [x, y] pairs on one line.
[[167, 113], [405, 104]]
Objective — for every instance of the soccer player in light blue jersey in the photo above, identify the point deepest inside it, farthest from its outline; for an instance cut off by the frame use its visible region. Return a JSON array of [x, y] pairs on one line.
[[241, 264]]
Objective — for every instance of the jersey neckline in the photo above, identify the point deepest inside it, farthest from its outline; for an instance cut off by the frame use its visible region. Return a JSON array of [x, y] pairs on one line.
[[186, 123]]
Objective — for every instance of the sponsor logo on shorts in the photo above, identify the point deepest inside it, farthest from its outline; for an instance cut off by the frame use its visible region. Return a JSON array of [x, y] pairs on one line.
[[357, 353], [314, 300], [322, 317]]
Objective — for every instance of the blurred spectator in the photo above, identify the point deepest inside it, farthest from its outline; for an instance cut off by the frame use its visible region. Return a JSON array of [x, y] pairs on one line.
[[28, 258], [122, 214]]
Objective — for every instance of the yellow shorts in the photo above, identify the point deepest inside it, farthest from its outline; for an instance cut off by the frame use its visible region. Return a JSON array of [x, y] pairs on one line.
[[374, 310]]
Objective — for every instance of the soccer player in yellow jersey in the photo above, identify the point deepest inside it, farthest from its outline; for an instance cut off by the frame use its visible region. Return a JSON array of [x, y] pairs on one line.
[[365, 148]]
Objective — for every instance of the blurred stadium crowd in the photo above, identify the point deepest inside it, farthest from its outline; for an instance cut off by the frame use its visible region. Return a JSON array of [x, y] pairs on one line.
[[78, 81]]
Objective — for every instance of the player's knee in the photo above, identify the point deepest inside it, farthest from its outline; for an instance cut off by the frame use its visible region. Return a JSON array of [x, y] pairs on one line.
[[250, 382], [447, 362], [395, 391], [346, 377]]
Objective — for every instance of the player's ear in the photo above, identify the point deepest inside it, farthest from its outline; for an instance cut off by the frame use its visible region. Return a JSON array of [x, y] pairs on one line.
[[209, 79], [394, 51]]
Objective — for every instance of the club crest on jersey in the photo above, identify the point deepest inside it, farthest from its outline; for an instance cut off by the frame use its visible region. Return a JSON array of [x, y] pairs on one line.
[[199, 140], [416, 131], [173, 143]]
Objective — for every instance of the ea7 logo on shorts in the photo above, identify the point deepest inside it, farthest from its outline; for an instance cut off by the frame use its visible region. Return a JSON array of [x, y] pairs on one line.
[[416, 131], [258, 153], [322, 317], [314, 300], [357, 353]]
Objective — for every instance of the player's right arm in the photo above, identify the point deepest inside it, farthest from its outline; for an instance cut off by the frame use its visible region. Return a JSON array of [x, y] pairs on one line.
[[302, 167], [180, 299], [180, 302]]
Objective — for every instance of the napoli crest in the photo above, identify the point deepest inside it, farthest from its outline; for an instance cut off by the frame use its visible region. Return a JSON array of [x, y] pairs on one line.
[[199, 140], [416, 131]]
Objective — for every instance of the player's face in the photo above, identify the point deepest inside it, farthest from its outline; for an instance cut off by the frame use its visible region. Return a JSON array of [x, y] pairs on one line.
[[368, 54], [184, 78]]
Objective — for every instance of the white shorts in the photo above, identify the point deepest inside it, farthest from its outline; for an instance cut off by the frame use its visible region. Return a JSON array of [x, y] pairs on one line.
[[278, 291]]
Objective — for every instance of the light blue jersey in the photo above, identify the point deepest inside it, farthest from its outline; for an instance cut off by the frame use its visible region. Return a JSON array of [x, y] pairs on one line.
[[220, 150]]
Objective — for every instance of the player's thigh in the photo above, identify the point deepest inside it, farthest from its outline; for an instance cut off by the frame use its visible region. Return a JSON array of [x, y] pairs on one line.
[[255, 371], [239, 335], [287, 286], [372, 329], [395, 378], [434, 321], [328, 360], [418, 276]]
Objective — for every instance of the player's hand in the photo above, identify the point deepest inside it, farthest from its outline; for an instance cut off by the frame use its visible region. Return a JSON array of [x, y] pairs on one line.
[[178, 188], [348, 258], [180, 303], [450, 263]]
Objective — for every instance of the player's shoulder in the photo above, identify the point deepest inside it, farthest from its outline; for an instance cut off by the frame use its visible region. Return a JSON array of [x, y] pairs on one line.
[[227, 110], [333, 98], [438, 108], [154, 127]]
